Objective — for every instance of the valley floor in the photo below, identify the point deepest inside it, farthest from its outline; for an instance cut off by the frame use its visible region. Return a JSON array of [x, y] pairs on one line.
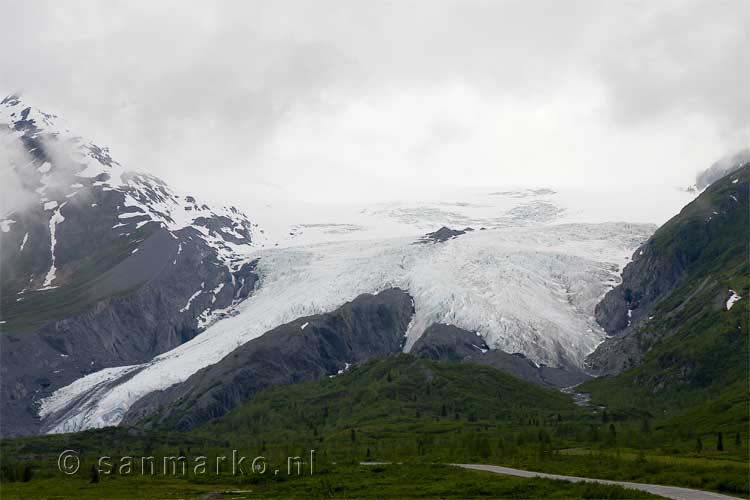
[[334, 481]]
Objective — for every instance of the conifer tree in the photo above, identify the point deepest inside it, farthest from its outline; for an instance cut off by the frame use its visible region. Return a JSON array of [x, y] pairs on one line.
[[27, 473], [94, 474]]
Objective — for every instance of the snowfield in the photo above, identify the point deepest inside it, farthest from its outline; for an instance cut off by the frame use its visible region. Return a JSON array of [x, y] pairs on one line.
[[290, 223], [523, 289]]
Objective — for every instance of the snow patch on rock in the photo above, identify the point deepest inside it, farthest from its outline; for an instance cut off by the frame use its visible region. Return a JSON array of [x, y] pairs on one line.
[[56, 219], [733, 298], [192, 297]]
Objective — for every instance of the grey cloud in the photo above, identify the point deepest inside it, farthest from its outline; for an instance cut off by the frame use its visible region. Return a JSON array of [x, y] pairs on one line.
[[683, 57], [183, 88]]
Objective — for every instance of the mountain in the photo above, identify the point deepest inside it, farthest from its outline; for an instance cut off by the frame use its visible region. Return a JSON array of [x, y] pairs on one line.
[[115, 287], [312, 347], [403, 391], [721, 168], [680, 316], [701, 251], [308, 348], [528, 290], [450, 343], [101, 266]]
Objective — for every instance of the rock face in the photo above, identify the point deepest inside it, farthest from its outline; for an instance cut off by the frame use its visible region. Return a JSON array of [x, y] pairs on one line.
[[450, 343], [101, 267], [645, 279], [693, 248], [521, 367], [443, 234], [305, 349]]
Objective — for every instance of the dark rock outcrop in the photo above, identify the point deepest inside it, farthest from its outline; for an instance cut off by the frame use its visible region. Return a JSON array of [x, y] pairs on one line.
[[305, 349], [123, 328], [644, 280], [521, 367], [443, 234], [450, 343]]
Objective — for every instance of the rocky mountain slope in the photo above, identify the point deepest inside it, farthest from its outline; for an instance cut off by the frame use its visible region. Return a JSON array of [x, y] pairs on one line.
[[685, 349], [100, 266], [308, 348], [313, 347], [700, 250], [450, 343]]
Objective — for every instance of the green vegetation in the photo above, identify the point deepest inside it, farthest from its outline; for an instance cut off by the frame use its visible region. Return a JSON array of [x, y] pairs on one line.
[[381, 402], [711, 228], [334, 481], [693, 383], [413, 412], [41, 307], [694, 378]]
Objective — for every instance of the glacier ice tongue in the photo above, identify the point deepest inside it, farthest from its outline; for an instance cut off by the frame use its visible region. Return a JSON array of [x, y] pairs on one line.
[[528, 290]]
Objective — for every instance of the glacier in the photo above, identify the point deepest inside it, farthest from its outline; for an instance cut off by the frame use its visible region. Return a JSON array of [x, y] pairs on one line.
[[523, 289]]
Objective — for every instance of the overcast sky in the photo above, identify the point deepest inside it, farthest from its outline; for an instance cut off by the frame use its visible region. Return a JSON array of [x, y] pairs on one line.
[[362, 100]]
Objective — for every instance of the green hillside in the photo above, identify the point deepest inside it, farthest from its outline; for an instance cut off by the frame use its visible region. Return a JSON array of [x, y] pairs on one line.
[[694, 374], [399, 406], [412, 413]]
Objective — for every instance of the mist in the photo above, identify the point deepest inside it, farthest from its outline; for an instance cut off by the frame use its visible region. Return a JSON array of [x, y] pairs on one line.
[[13, 195]]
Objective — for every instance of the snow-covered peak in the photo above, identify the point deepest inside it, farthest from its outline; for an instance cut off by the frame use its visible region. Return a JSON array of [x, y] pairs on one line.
[[14, 111], [45, 136], [56, 166]]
